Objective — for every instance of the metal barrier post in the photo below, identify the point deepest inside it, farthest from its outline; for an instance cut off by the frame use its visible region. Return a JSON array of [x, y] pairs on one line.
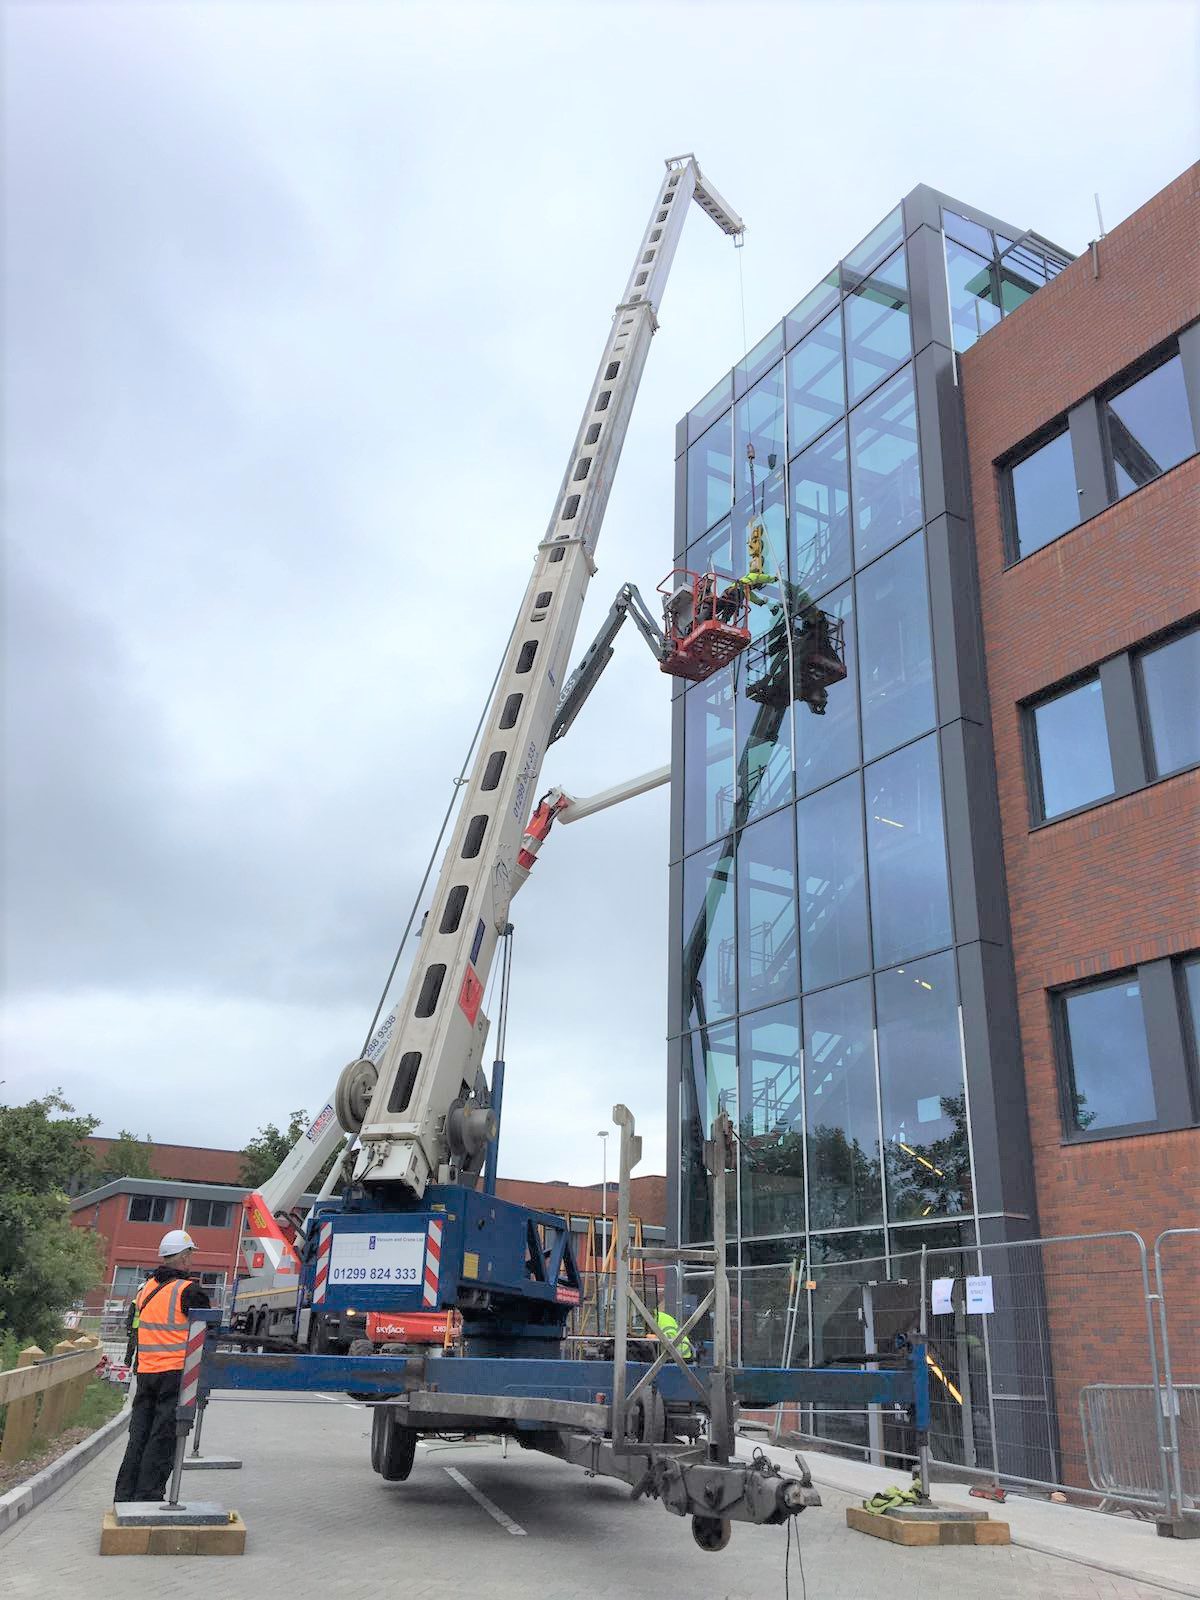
[[189, 1394], [923, 1325], [1177, 1515]]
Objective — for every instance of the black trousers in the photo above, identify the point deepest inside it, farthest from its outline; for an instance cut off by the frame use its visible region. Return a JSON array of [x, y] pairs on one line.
[[150, 1453]]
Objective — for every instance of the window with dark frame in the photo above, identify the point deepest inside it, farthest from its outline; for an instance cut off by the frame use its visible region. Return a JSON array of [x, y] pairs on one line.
[[150, 1207], [1070, 761], [1148, 426], [1115, 1076], [1041, 495], [1168, 679], [209, 1213]]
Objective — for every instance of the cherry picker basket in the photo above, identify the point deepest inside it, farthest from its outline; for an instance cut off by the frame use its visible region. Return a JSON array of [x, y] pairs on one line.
[[705, 622], [817, 660]]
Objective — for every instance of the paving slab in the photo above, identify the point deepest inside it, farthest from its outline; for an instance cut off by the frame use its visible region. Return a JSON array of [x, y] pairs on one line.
[[1121, 1546], [320, 1524]]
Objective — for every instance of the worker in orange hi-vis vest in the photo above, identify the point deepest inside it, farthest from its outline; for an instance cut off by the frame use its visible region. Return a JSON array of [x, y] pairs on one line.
[[158, 1321]]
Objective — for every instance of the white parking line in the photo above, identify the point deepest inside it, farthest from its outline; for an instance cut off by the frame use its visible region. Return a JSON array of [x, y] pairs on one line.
[[489, 1506], [340, 1400]]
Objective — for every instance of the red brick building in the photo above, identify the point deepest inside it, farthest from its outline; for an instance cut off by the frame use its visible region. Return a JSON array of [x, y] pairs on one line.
[[1082, 416], [197, 1188], [1100, 830]]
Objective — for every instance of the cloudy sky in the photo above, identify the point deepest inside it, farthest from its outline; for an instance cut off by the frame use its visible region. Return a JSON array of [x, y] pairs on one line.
[[302, 303]]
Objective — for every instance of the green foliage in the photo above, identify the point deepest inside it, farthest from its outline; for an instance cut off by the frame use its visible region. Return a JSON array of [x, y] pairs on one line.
[[40, 1151], [270, 1145], [45, 1263], [128, 1157]]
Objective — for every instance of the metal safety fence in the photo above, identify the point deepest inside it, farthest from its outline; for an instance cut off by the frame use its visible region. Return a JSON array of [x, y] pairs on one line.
[[1068, 1363]]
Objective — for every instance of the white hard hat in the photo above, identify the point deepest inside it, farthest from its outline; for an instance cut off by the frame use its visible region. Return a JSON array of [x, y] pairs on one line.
[[175, 1242]]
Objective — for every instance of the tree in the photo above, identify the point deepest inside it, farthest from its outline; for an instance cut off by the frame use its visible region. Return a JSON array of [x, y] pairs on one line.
[[45, 1262], [128, 1157], [270, 1144]]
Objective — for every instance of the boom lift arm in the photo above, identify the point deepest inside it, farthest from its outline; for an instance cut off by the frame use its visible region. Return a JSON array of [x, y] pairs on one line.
[[427, 1118]]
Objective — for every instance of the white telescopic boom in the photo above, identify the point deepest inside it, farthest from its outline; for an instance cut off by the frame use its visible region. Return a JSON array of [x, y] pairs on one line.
[[423, 1123]]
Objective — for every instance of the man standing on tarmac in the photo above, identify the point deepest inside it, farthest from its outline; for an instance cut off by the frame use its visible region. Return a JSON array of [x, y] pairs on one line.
[[158, 1321]]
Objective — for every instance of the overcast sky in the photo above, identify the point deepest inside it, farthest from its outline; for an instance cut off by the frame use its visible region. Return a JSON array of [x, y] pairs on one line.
[[302, 304]]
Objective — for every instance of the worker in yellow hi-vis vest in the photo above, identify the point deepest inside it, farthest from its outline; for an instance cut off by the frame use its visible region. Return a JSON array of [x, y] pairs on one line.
[[670, 1327], [158, 1322]]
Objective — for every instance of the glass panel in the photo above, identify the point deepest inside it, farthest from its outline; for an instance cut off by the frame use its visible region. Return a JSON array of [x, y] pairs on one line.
[[1110, 1086], [877, 331], [708, 970], [764, 732], [708, 760], [885, 474], [760, 422], [974, 300], [827, 745], [718, 399], [921, 1087], [812, 308], [709, 1081], [713, 549], [895, 656], [766, 884], [843, 1112], [1150, 427], [751, 367], [765, 1318], [833, 887], [710, 478], [878, 242], [906, 850], [1171, 689], [765, 507], [1045, 498], [967, 232], [1074, 767], [772, 1127], [1191, 983], [821, 514], [816, 383], [841, 1263]]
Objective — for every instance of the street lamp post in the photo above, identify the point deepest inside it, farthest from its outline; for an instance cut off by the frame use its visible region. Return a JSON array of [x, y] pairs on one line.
[[601, 1296]]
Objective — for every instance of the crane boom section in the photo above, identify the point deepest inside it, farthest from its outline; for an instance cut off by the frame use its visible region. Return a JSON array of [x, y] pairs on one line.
[[428, 1109]]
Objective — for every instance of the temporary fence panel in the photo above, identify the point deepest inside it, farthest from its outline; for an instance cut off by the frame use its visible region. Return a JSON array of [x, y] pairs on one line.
[[1177, 1286]]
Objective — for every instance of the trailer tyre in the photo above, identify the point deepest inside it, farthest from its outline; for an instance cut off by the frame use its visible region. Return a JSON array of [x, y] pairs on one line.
[[393, 1448]]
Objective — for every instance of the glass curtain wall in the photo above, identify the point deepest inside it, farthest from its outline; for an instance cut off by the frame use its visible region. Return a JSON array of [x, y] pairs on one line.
[[819, 992]]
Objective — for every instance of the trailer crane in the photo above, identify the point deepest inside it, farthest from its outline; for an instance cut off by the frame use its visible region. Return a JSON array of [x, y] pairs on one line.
[[418, 1225]]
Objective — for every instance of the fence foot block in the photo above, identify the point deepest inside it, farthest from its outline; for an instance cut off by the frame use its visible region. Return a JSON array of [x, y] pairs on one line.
[[223, 1539], [1178, 1528], [929, 1530]]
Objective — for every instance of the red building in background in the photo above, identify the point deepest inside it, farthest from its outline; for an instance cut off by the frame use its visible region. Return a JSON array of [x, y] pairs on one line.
[[199, 1189]]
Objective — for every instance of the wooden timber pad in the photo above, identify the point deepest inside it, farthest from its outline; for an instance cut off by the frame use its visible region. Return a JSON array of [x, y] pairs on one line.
[[227, 1539], [928, 1529]]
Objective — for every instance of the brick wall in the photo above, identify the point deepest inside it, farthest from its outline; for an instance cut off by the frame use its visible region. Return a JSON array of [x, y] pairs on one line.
[[1119, 883]]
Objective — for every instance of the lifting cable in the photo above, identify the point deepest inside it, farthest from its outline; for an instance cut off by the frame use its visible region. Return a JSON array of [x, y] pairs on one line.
[[459, 783]]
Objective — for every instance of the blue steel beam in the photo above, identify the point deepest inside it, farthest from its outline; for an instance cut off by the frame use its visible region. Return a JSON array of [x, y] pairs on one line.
[[586, 1381]]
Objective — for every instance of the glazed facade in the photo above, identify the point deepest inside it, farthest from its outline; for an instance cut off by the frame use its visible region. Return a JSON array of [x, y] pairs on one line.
[[842, 979]]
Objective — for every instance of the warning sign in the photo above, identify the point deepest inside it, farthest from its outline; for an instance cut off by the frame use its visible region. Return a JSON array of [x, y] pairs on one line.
[[470, 995]]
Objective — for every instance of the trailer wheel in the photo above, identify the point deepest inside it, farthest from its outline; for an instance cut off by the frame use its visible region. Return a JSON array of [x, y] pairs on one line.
[[711, 1533], [648, 1418], [393, 1448]]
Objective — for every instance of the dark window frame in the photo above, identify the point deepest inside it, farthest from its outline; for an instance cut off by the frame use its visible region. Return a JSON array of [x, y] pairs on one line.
[[194, 1222], [1005, 466], [1145, 647], [1164, 1014], [1147, 363], [168, 1203], [1027, 711]]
